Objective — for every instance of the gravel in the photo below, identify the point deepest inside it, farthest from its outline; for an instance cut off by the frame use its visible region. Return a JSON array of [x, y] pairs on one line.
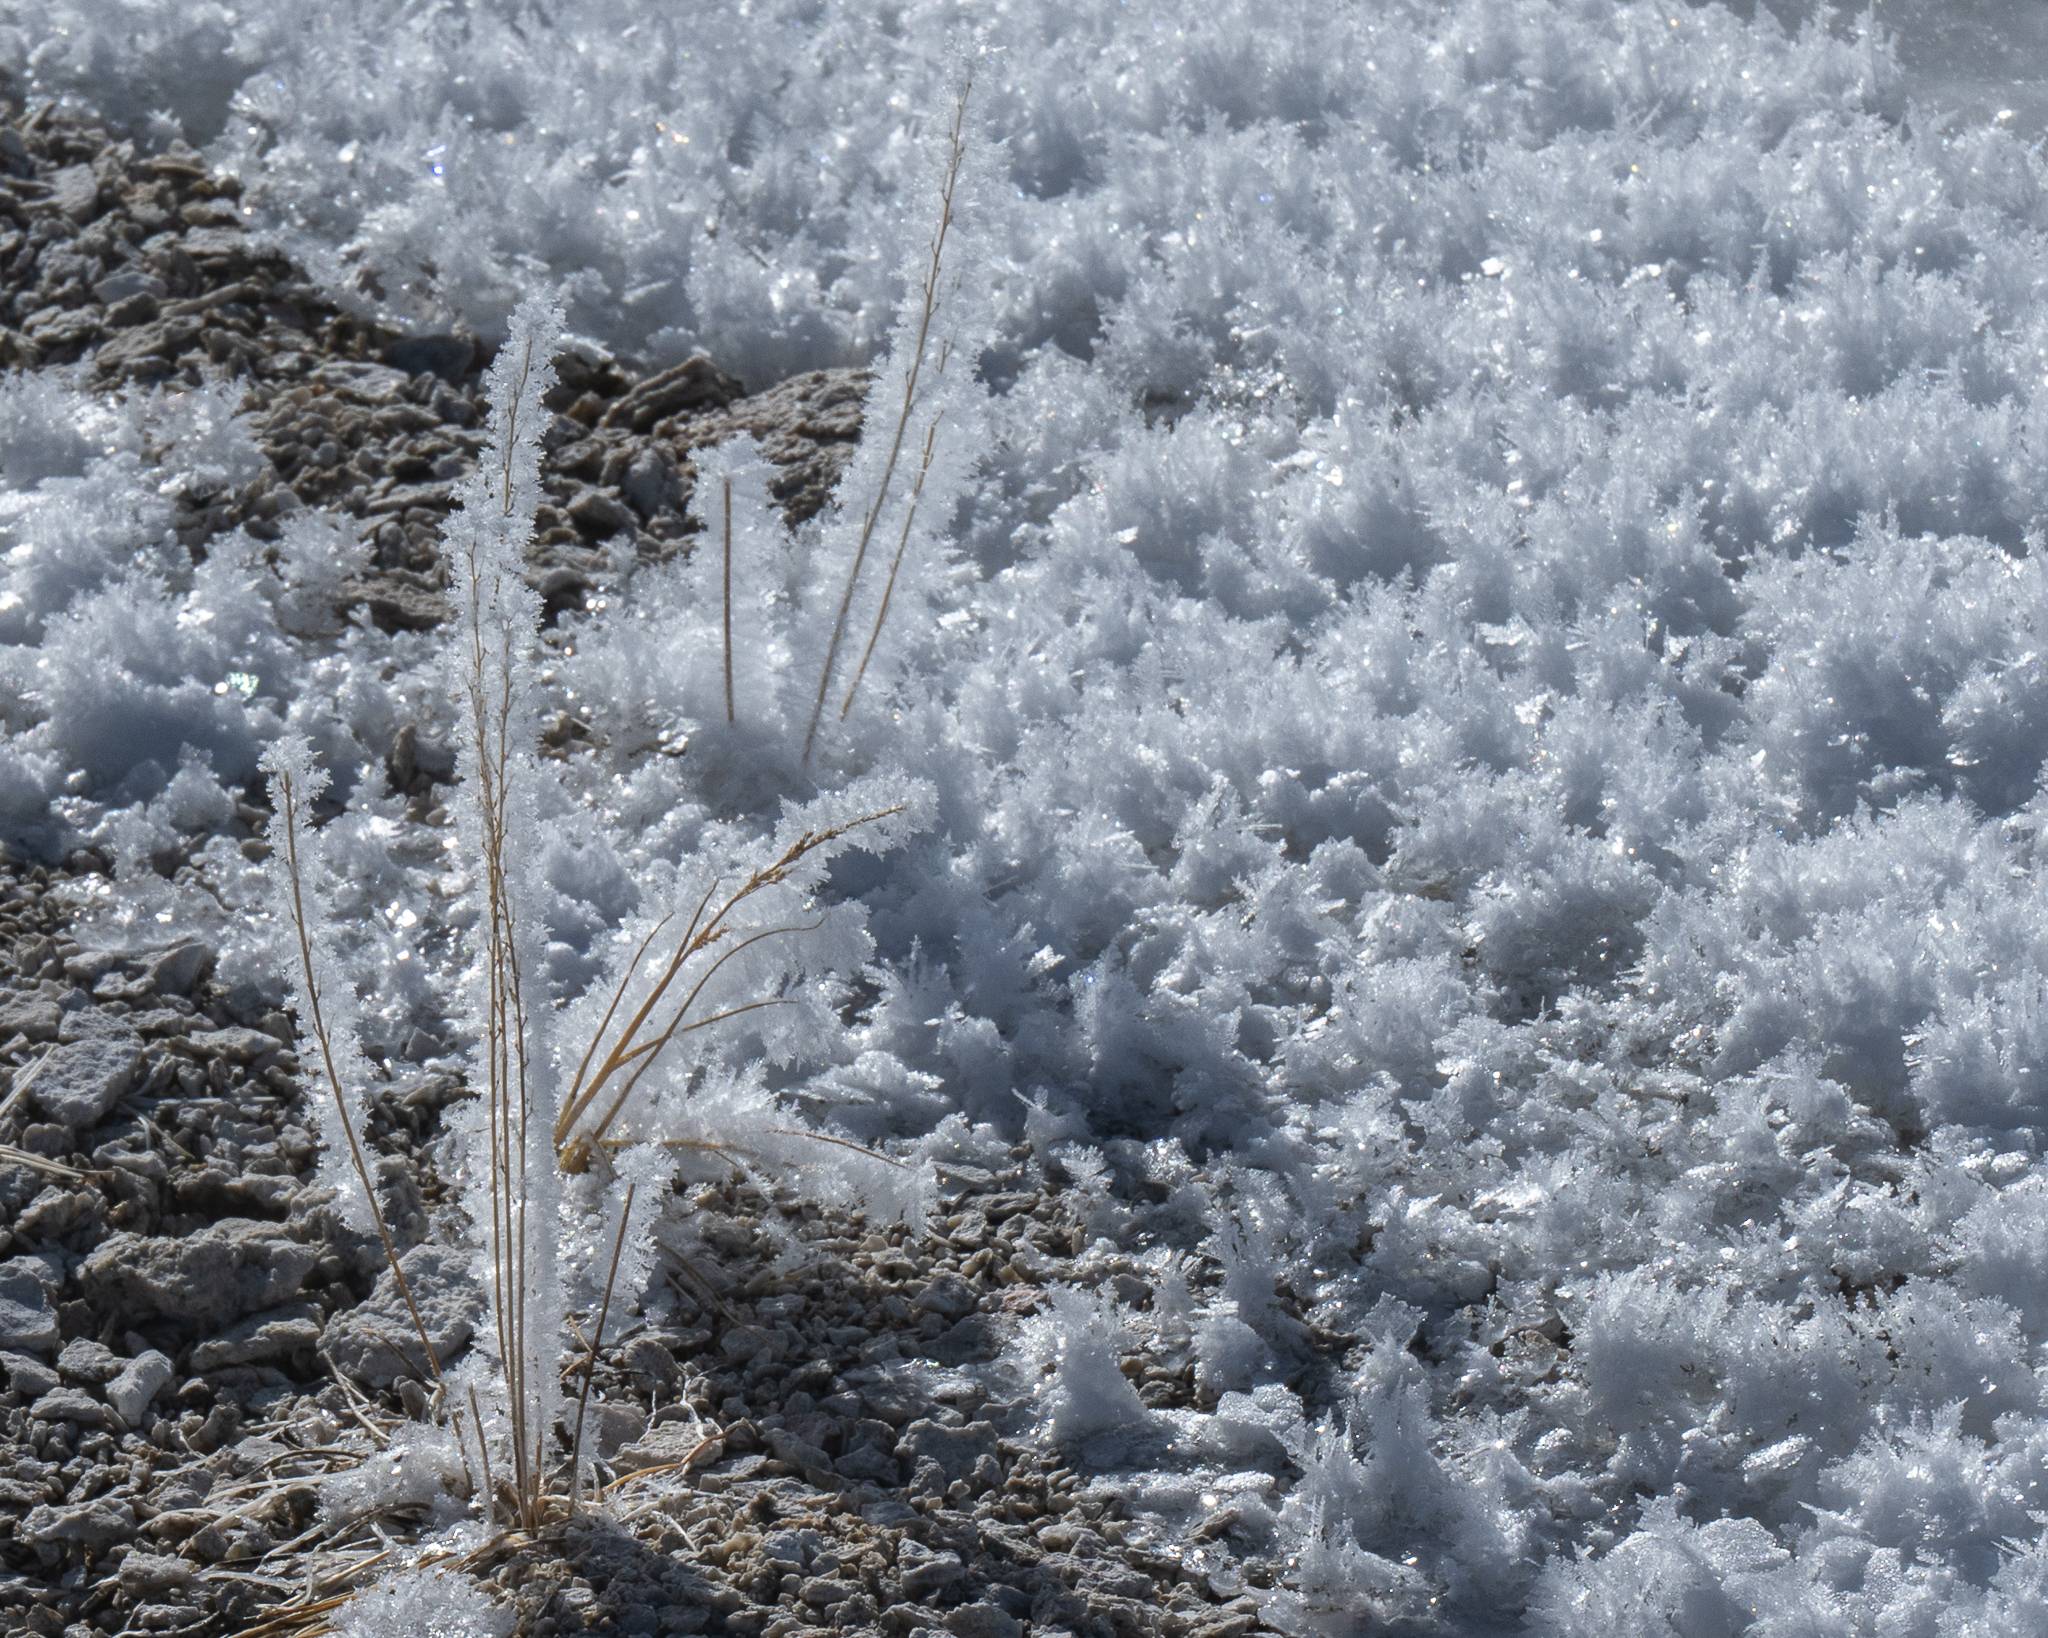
[[77, 1084], [28, 1323], [206, 1279], [135, 1386], [375, 1343]]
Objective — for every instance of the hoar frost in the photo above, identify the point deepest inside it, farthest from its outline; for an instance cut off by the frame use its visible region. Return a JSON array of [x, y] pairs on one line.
[[1481, 704]]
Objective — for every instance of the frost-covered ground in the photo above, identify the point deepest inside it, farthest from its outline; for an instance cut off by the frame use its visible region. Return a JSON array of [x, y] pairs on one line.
[[1964, 59], [1486, 719]]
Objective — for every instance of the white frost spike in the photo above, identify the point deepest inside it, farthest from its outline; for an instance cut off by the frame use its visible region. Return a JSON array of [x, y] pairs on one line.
[[486, 539], [423, 1604], [322, 997], [1091, 1410]]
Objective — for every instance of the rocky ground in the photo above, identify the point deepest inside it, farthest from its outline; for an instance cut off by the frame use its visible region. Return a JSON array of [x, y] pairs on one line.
[[138, 270], [188, 1345]]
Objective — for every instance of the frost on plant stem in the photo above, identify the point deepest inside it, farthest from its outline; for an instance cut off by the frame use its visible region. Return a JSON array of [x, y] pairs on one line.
[[327, 1008], [892, 510], [513, 1185], [322, 996], [742, 586], [729, 954]]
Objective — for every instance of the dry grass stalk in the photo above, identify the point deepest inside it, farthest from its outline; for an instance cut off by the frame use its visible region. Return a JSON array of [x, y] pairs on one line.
[[604, 1309], [730, 715], [23, 1080], [956, 156], [924, 467], [38, 1163], [631, 1052], [290, 810], [682, 1464], [306, 1616]]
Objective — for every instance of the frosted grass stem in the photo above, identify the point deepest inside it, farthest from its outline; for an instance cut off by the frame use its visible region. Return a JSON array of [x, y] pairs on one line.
[[928, 308]]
